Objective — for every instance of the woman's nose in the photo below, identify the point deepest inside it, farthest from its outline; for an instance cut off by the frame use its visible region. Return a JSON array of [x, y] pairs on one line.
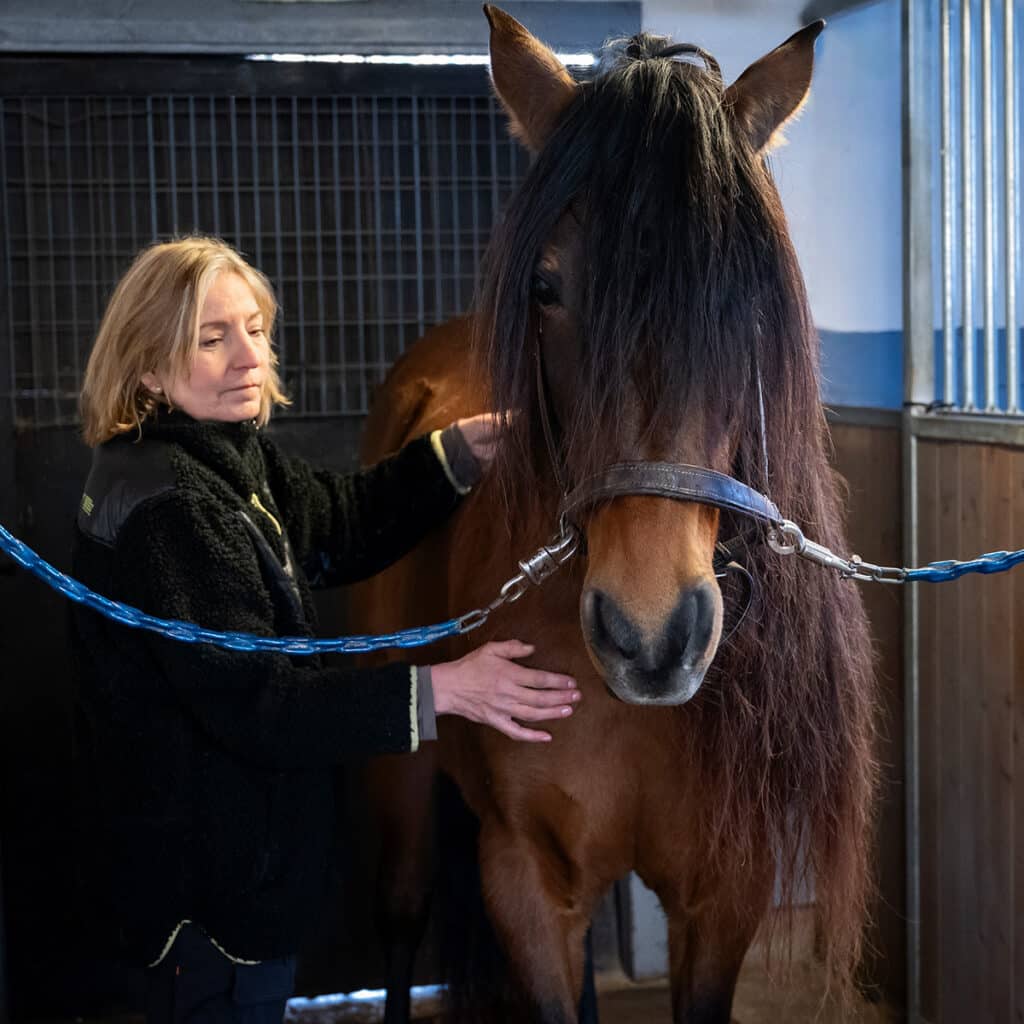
[[250, 351]]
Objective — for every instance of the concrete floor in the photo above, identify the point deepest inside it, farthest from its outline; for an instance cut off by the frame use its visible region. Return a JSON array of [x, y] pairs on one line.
[[760, 999]]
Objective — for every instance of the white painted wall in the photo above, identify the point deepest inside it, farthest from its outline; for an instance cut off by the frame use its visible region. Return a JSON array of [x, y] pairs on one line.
[[840, 174]]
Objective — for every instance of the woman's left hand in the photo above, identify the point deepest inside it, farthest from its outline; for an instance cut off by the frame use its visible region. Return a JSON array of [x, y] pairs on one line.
[[482, 434]]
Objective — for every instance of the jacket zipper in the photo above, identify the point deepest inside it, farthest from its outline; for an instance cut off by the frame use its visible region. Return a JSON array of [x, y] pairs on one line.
[[257, 504]]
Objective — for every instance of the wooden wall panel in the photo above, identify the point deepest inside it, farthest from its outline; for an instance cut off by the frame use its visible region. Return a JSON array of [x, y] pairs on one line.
[[972, 770], [869, 458]]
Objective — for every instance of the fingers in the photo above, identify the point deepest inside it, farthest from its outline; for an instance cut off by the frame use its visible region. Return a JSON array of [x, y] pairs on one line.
[[533, 698], [508, 648], [532, 713], [538, 679], [516, 731]]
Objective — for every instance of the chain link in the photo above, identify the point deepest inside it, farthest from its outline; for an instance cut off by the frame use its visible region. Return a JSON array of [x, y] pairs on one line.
[[537, 568], [546, 561], [785, 539]]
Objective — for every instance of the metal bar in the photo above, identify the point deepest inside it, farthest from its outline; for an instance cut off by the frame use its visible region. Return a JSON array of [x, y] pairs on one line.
[[988, 189], [236, 196], [378, 227], [456, 192], [967, 147], [948, 339], [193, 146], [50, 246], [257, 219], [1007, 431], [35, 319], [339, 261], [132, 218], [1011, 221], [172, 166], [112, 193], [399, 233], [278, 241], [357, 176], [912, 717], [417, 186], [435, 211], [151, 153], [321, 302], [8, 481], [77, 330], [214, 176], [95, 288], [919, 388], [300, 304], [474, 164]]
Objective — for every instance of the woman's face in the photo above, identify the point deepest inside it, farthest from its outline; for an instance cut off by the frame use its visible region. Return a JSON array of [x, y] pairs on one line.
[[230, 368]]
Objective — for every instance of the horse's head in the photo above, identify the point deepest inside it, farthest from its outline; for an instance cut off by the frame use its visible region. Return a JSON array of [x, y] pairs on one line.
[[643, 289]]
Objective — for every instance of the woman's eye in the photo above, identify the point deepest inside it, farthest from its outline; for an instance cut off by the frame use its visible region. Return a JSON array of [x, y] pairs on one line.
[[544, 292], [256, 332], [208, 342]]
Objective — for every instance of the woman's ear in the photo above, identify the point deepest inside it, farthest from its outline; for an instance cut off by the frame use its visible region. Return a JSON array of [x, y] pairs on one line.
[[150, 382]]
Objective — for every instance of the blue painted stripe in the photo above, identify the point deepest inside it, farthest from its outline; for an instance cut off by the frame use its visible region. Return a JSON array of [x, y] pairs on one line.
[[862, 368]]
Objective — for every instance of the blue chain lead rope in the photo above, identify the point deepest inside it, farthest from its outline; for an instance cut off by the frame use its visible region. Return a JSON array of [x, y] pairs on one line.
[[190, 634], [533, 571]]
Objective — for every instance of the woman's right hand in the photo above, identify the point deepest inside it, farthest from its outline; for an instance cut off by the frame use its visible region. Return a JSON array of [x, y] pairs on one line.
[[487, 686]]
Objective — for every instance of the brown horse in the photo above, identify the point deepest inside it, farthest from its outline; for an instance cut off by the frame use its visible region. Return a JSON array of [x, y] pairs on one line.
[[643, 290]]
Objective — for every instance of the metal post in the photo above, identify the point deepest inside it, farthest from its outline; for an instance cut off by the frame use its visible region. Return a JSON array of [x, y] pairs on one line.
[[967, 148], [988, 200], [948, 339], [919, 388], [1010, 208]]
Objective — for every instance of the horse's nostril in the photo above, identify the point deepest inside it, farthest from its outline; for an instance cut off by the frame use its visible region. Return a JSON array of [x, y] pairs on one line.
[[690, 626], [612, 629]]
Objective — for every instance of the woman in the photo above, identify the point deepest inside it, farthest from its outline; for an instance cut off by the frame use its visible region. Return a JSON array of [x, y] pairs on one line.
[[209, 771]]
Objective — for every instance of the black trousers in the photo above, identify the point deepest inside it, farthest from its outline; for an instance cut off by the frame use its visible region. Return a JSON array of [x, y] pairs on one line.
[[197, 984]]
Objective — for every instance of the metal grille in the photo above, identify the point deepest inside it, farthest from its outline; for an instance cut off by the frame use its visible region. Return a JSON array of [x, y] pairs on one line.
[[976, 155], [369, 214]]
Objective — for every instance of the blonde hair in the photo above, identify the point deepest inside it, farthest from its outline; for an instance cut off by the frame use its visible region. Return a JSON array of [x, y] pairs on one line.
[[152, 325]]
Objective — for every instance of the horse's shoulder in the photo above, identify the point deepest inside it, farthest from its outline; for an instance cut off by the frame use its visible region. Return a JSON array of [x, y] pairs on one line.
[[424, 385]]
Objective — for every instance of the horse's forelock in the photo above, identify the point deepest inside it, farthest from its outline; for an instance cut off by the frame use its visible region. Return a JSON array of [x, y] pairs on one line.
[[672, 230]]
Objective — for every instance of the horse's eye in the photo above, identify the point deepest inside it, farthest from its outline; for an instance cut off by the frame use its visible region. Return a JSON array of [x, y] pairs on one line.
[[544, 292]]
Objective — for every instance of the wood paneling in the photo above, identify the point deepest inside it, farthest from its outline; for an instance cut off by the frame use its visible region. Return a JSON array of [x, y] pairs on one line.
[[972, 771], [869, 458]]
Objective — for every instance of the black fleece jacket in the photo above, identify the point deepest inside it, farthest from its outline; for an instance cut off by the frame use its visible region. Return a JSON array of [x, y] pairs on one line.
[[207, 773]]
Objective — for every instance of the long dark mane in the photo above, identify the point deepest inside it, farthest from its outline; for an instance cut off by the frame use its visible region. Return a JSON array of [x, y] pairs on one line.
[[692, 291]]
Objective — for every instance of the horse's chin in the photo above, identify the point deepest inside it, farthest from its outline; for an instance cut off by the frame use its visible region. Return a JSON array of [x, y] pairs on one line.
[[667, 691]]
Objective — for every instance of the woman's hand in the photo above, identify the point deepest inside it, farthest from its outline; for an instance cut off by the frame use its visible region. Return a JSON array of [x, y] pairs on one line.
[[482, 434], [487, 686]]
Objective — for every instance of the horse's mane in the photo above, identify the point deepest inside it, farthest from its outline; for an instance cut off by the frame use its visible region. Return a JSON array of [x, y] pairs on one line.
[[692, 290]]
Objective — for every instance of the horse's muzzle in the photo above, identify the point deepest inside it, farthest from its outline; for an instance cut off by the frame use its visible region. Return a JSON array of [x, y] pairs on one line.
[[665, 665]]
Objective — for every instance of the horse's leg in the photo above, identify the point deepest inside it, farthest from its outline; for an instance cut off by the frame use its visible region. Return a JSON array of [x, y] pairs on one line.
[[539, 917], [402, 789], [708, 939]]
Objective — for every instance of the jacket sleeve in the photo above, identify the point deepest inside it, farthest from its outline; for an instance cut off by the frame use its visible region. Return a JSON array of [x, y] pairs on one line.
[[177, 560], [346, 527]]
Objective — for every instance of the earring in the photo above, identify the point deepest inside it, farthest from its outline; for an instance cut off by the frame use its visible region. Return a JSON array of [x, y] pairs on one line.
[[156, 390]]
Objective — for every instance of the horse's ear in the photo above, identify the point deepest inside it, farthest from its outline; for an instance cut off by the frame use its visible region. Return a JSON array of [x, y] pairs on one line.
[[531, 82], [773, 89]]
